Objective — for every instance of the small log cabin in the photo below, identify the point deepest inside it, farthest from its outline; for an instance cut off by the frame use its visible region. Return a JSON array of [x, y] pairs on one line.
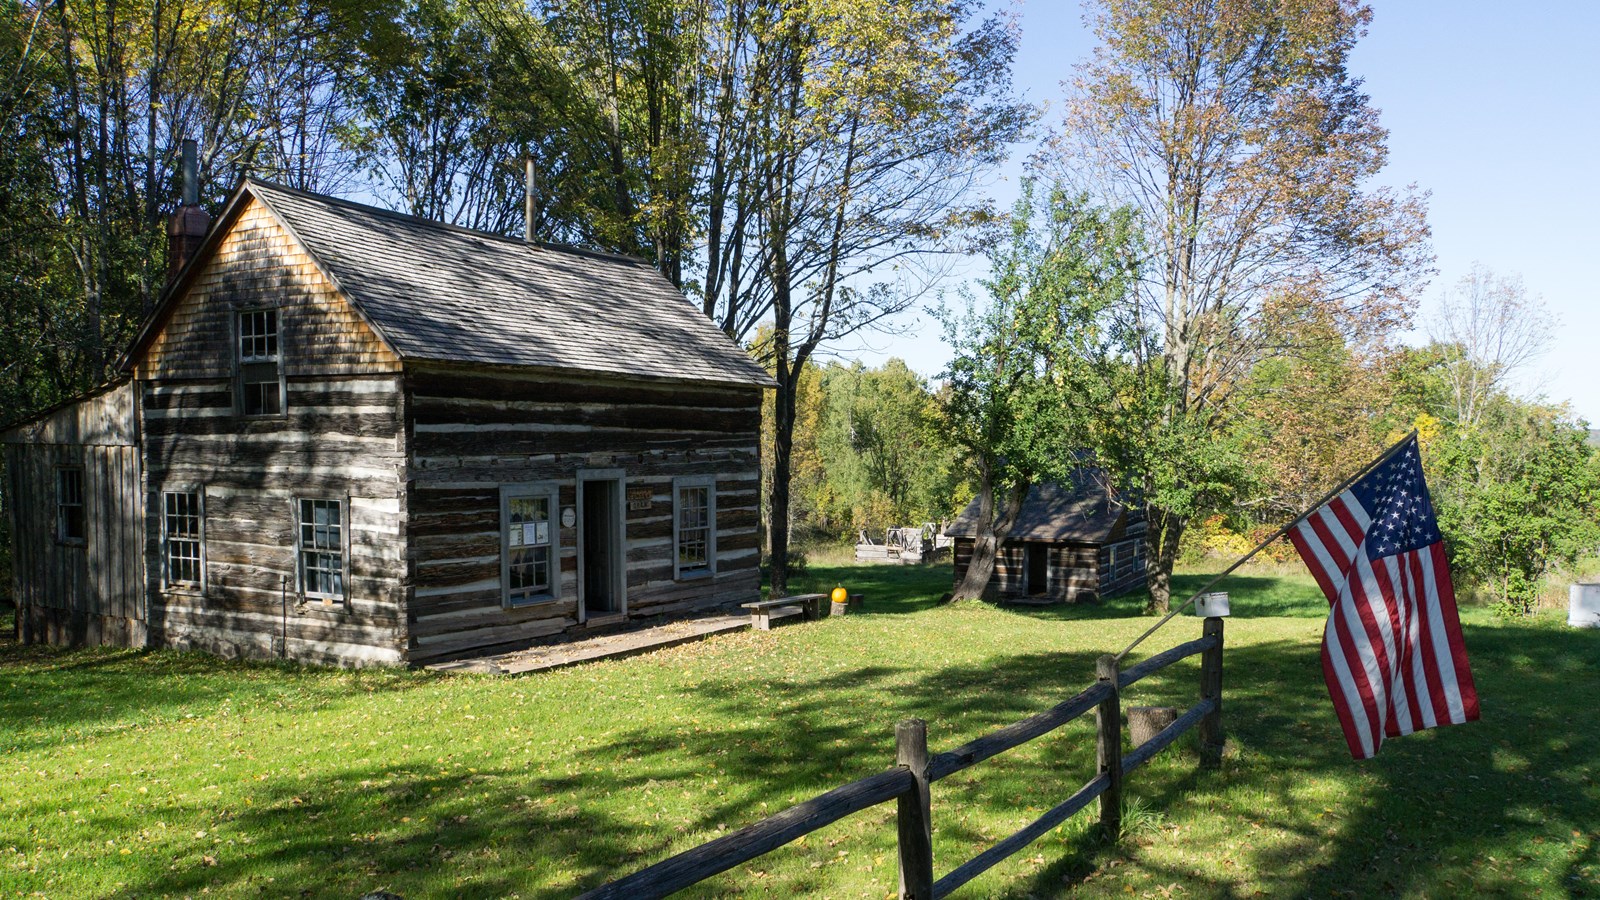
[[356, 437], [1070, 543]]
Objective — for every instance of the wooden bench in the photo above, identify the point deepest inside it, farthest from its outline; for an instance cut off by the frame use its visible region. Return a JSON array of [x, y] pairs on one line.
[[762, 612]]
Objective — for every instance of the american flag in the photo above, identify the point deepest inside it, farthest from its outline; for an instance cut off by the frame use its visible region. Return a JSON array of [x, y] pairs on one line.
[[1392, 653]]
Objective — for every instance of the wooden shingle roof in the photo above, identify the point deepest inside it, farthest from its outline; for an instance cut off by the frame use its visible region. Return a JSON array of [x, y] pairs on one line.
[[438, 292], [1082, 511]]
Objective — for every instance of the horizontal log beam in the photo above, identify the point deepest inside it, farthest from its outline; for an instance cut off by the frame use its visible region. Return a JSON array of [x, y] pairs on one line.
[[1163, 659], [1164, 738], [696, 865], [989, 858], [1016, 734]]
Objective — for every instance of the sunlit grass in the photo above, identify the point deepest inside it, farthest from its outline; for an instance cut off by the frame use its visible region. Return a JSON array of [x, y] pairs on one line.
[[164, 774]]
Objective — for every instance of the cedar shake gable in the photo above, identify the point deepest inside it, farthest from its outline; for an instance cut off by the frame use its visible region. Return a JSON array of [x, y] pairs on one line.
[[440, 293]]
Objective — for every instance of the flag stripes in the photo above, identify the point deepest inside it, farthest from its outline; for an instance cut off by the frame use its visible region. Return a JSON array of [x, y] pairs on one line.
[[1392, 653]]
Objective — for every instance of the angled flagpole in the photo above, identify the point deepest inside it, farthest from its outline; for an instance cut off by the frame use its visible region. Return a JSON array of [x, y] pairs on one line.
[[1262, 546]]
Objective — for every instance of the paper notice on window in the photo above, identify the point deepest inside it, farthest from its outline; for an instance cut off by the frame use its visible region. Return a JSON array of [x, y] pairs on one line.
[[541, 532], [514, 535]]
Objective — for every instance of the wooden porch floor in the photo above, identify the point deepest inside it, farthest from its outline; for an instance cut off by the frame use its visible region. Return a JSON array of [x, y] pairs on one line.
[[611, 646]]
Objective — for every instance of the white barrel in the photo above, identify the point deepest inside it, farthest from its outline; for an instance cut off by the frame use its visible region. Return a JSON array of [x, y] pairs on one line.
[[1583, 609]]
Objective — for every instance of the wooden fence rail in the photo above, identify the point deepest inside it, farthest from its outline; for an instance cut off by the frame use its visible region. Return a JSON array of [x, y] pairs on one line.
[[908, 784]]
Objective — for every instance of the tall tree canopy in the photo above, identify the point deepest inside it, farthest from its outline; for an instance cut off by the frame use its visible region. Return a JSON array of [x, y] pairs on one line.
[[867, 120], [1236, 130], [786, 163], [1033, 365]]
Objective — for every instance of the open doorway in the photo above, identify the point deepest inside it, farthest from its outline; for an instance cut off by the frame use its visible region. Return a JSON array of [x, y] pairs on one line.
[[1038, 569], [601, 559]]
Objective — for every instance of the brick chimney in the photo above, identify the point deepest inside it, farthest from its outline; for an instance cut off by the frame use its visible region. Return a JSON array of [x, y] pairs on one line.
[[188, 226]]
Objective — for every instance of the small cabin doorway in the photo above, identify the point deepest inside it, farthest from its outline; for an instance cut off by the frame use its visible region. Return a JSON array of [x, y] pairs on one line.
[[601, 559], [1038, 570]]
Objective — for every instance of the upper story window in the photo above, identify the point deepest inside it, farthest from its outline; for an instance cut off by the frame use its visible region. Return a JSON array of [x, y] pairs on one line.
[[529, 545], [71, 523], [694, 511], [260, 365]]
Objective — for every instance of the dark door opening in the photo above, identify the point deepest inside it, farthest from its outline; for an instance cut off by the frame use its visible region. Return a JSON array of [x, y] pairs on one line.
[[601, 556], [1038, 562]]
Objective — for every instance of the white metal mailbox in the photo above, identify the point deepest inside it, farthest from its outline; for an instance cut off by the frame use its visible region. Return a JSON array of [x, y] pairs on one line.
[[1211, 605]]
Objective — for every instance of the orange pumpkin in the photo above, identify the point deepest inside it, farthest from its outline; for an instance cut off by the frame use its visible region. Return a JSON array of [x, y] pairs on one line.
[[840, 595]]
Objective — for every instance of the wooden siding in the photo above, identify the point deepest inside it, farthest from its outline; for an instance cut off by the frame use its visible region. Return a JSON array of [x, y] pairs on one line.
[[339, 438], [78, 593], [473, 431], [259, 263]]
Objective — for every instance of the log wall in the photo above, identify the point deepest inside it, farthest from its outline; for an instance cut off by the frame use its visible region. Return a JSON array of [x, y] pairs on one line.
[[339, 437], [1129, 572], [473, 431], [1077, 572]]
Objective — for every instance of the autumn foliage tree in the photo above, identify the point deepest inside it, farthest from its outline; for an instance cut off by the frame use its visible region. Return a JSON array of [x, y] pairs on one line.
[[1237, 131], [868, 120]]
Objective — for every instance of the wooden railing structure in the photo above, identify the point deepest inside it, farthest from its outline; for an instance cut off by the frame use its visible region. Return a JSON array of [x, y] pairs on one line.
[[909, 781]]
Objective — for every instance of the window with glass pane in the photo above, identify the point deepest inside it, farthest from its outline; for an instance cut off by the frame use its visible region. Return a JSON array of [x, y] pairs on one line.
[[258, 335], [528, 546], [322, 548], [181, 525], [694, 529], [70, 520], [260, 384]]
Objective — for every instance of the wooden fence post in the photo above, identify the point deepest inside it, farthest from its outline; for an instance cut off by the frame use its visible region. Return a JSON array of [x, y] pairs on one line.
[[1108, 747], [914, 812], [1211, 736]]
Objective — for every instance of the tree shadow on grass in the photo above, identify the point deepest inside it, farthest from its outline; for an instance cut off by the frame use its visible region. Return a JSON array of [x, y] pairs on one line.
[[1472, 810], [487, 833], [53, 695], [812, 745]]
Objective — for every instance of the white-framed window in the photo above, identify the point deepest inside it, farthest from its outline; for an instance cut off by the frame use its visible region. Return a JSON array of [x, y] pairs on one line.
[[182, 543], [320, 541], [1138, 554], [72, 526], [694, 526], [261, 389], [530, 558], [1113, 556]]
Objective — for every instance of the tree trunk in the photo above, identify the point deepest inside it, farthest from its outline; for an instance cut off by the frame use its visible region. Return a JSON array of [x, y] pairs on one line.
[[783, 413], [992, 523], [1165, 530]]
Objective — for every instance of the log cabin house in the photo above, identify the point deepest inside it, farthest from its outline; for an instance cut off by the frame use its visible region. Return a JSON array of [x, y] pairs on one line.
[[352, 436], [1071, 543]]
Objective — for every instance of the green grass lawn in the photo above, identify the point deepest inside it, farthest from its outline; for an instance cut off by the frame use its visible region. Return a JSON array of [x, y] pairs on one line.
[[165, 774]]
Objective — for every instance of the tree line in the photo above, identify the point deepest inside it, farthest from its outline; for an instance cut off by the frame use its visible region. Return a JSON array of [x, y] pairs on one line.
[[1200, 291], [797, 166]]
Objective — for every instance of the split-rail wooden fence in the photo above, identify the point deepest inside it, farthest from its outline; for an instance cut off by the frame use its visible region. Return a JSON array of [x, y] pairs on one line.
[[908, 783]]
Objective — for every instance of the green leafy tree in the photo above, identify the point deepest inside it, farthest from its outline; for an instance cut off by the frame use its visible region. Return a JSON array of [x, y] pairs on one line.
[[1516, 494], [887, 459], [1235, 129], [1034, 367]]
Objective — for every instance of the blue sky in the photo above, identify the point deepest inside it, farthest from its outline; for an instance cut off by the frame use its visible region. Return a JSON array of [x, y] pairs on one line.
[[1490, 107]]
